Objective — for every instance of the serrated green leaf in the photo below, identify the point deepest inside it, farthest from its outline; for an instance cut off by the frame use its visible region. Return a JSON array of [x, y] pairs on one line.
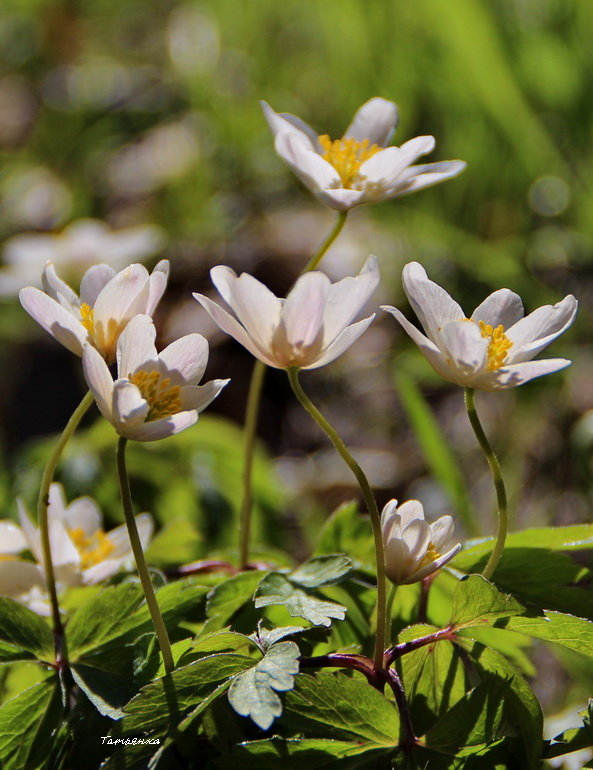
[[322, 571], [228, 597], [267, 637], [19, 717], [276, 589], [344, 707], [185, 689], [219, 641], [23, 634], [348, 532], [558, 628], [296, 753], [253, 693], [476, 601]]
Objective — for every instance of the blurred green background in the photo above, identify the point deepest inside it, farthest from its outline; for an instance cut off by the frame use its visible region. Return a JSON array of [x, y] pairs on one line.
[[147, 112]]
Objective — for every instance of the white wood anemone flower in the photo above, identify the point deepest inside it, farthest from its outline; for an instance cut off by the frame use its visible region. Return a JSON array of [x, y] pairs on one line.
[[493, 348], [308, 329], [359, 167], [82, 244], [20, 580], [155, 394], [413, 547], [107, 301]]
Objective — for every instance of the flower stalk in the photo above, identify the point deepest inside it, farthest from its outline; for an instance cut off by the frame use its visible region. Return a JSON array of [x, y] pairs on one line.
[[307, 404], [313, 263], [43, 521], [501, 495], [151, 600]]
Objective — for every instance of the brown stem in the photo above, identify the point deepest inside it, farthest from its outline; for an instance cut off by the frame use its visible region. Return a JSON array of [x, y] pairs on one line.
[[393, 653]]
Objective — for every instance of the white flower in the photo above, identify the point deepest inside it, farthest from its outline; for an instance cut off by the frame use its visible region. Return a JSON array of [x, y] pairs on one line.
[[82, 552], [359, 167], [79, 246], [155, 395], [108, 300], [308, 329], [493, 348], [414, 548]]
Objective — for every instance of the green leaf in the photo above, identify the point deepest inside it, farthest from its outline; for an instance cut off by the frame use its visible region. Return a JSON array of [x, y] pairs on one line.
[[340, 706], [322, 571], [19, 718], [228, 597], [267, 637], [434, 677], [521, 705], [573, 739], [295, 754], [435, 447], [559, 628], [253, 693], [476, 601], [348, 532], [575, 537], [185, 689], [23, 634], [276, 589], [219, 641]]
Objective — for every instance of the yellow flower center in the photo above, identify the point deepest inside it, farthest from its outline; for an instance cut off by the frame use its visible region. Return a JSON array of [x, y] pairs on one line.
[[86, 317], [347, 156], [499, 345], [431, 555], [163, 398], [92, 548]]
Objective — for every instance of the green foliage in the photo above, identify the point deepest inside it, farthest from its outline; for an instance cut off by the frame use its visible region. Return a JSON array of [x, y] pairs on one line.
[[23, 635], [276, 589], [476, 602]]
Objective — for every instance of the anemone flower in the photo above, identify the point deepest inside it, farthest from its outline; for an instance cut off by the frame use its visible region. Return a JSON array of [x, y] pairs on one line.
[[359, 167], [493, 348]]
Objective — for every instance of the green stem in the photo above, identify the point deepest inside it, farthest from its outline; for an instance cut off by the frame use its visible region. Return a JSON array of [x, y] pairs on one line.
[[389, 606], [253, 401], [252, 412], [501, 495], [151, 601], [293, 376], [43, 522], [318, 256]]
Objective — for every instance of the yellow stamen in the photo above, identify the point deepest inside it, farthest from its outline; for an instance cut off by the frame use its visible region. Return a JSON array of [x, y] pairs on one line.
[[86, 317], [499, 345], [92, 548], [431, 555], [163, 398], [347, 156]]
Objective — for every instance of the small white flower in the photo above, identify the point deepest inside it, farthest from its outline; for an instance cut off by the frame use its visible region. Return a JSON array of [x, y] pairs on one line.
[[108, 300], [308, 329], [414, 548], [359, 167], [82, 244], [82, 552], [155, 395], [493, 348]]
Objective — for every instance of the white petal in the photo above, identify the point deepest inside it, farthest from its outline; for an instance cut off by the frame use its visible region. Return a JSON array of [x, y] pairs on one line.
[[129, 408], [427, 348], [342, 342], [426, 175], [502, 307], [99, 380], [534, 332], [136, 348], [63, 551], [157, 283], [516, 374], [382, 170], [397, 560], [284, 122], [54, 318], [30, 531], [200, 396], [464, 347], [302, 313], [341, 199], [347, 297], [256, 307], [120, 538], [388, 512], [431, 303], [167, 426], [18, 577], [442, 532], [185, 359], [100, 571], [56, 505], [416, 536], [58, 289], [375, 121], [93, 282], [433, 566], [231, 326], [410, 511], [317, 174], [12, 539], [83, 513]]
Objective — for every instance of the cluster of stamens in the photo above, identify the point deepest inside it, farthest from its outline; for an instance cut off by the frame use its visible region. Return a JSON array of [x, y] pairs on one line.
[[347, 156], [91, 548], [499, 345], [162, 397], [431, 555], [86, 317]]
